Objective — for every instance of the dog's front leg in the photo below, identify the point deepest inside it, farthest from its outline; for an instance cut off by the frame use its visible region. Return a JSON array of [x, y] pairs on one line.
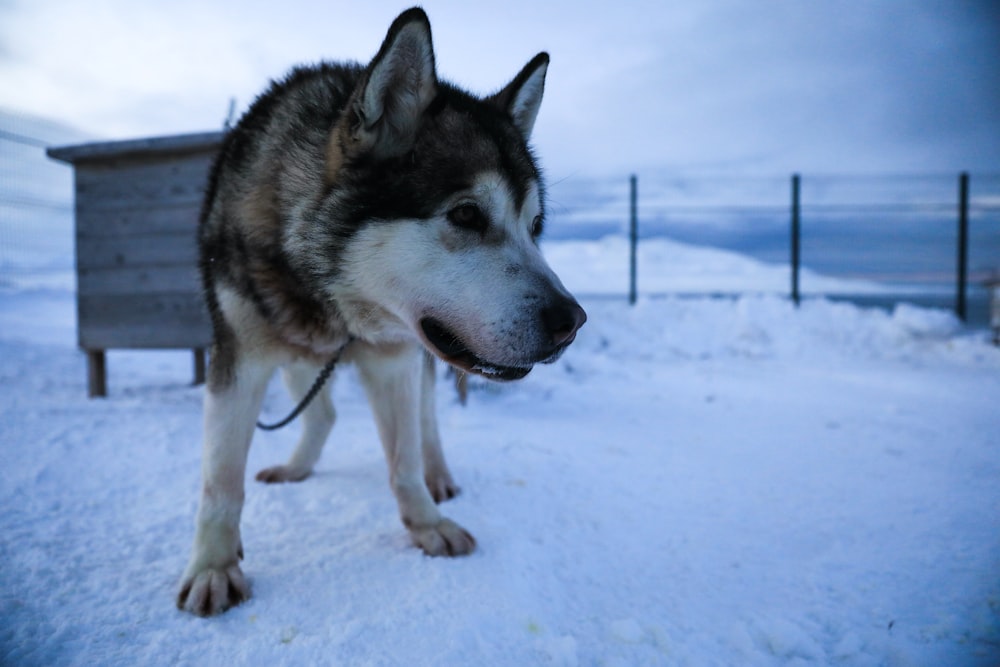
[[213, 581], [392, 375], [317, 421], [436, 473]]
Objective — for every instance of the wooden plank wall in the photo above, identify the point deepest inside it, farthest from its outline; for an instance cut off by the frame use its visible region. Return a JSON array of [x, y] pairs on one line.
[[136, 224]]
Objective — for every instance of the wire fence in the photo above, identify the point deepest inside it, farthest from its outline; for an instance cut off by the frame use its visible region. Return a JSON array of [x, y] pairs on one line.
[[874, 239], [36, 201]]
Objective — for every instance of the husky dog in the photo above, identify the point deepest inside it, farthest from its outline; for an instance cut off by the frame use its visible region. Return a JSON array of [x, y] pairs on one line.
[[372, 212]]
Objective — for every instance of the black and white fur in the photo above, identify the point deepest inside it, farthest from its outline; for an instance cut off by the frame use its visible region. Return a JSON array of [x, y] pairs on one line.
[[378, 208]]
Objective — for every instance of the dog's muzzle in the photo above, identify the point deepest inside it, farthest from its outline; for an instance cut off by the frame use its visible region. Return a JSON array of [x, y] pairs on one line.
[[560, 322]]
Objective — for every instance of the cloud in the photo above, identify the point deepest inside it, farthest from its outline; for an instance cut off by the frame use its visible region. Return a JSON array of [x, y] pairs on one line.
[[718, 84]]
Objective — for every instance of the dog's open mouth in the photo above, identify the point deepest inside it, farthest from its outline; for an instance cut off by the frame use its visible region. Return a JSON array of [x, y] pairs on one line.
[[453, 350]]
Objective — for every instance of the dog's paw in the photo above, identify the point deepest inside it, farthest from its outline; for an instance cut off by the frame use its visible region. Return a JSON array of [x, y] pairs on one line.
[[278, 474], [441, 486], [446, 538], [213, 590]]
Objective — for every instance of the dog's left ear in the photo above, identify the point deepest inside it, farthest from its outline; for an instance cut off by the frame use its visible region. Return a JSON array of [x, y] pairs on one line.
[[398, 86], [522, 96]]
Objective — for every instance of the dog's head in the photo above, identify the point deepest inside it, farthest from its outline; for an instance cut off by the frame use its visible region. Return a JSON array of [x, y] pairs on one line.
[[447, 207]]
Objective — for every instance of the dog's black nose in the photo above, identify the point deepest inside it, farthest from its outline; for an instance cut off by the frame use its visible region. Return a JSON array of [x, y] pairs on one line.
[[563, 320]]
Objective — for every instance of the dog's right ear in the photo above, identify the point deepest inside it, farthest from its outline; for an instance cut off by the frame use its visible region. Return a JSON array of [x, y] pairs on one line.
[[522, 96], [397, 87]]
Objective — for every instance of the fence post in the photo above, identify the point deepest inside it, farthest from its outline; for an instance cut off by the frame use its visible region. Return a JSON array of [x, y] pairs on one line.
[[796, 225], [963, 245], [633, 238]]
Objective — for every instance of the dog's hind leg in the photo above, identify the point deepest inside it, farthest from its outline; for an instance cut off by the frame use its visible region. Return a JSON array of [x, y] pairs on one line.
[[393, 378], [213, 581], [436, 473], [317, 420]]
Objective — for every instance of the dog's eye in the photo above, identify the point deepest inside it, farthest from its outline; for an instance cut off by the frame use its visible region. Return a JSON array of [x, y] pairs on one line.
[[536, 227], [467, 216]]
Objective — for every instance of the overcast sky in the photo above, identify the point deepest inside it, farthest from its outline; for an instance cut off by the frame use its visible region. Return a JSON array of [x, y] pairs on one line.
[[754, 86]]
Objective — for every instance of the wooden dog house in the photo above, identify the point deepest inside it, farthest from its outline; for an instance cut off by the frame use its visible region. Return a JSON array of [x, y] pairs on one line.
[[136, 217]]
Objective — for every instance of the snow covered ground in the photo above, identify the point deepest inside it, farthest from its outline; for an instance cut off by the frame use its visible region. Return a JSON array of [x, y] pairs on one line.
[[664, 266], [696, 482]]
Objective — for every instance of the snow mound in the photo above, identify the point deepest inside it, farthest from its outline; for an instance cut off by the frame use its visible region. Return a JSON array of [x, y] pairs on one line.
[[668, 266]]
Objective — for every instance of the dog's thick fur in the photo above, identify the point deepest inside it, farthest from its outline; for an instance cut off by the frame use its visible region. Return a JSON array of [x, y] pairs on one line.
[[378, 212]]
